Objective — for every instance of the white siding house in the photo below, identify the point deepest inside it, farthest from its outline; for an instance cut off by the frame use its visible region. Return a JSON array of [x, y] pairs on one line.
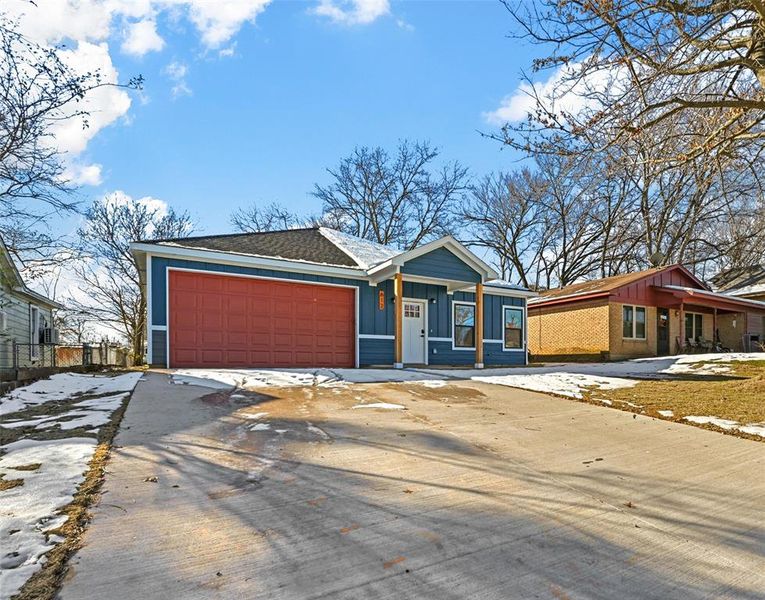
[[26, 317]]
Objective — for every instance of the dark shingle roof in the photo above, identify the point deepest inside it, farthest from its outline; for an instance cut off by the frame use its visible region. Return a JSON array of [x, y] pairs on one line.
[[292, 244], [743, 277]]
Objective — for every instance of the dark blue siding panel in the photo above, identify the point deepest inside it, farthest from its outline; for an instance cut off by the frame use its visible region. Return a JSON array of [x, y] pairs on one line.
[[441, 353], [443, 264], [375, 352], [493, 355], [159, 347]]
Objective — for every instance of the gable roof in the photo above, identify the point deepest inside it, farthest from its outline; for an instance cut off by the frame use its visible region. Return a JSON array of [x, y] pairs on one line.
[[606, 285], [305, 245], [317, 249], [16, 282], [743, 281]]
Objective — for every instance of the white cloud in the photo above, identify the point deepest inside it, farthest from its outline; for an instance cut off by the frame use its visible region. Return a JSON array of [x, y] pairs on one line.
[[176, 72], [561, 92], [83, 174], [352, 12], [141, 38], [219, 21], [105, 104]]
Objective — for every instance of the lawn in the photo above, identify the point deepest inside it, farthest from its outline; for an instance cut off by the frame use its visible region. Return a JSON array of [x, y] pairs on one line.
[[732, 400], [55, 436]]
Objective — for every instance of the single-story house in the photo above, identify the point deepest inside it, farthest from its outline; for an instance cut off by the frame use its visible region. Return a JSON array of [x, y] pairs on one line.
[[316, 297], [26, 319], [744, 282], [656, 312]]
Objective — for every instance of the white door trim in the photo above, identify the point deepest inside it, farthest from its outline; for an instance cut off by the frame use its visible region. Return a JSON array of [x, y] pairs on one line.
[[247, 276], [424, 303]]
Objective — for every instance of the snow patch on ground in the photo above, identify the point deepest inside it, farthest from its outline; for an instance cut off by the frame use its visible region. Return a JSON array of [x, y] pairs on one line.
[[260, 427], [32, 508], [751, 428], [666, 413], [381, 405], [258, 378], [63, 386], [575, 379], [724, 423]]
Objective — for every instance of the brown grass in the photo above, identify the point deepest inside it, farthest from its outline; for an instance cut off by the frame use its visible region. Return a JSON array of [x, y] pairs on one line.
[[9, 484], [739, 396], [44, 584]]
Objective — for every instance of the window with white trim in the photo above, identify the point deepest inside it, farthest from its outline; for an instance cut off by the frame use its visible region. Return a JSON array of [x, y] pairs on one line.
[[633, 322], [512, 321], [463, 325]]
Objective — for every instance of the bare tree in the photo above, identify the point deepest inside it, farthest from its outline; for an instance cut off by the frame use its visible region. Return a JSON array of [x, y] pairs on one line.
[[271, 217], [109, 273], [400, 200], [634, 66], [505, 215], [37, 91]]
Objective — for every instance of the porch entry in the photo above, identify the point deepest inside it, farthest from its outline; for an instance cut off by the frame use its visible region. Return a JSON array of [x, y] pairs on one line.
[[415, 350], [662, 331]]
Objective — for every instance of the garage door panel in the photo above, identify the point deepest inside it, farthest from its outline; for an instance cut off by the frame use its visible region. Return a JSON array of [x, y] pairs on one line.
[[222, 320]]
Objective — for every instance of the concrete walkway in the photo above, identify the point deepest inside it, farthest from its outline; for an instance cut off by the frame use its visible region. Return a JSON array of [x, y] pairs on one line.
[[473, 491]]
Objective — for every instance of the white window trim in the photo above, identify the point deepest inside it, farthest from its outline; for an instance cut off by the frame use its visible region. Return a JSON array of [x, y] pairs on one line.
[[454, 303], [634, 337], [523, 331]]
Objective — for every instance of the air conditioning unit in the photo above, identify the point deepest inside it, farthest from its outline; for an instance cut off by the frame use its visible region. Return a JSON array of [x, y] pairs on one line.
[[50, 335]]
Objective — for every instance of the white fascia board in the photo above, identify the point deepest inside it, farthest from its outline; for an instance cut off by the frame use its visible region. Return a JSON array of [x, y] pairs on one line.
[[247, 261], [445, 242]]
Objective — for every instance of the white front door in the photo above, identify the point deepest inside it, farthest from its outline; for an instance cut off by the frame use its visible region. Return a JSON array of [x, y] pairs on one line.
[[414, 332]]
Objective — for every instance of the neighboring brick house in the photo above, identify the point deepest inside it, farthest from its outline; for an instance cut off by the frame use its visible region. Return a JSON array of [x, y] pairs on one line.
[[657, 312], [749, 283]]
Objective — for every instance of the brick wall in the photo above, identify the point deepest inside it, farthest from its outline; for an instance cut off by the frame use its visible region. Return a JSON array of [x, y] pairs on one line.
[[632, 348], [574, 329]]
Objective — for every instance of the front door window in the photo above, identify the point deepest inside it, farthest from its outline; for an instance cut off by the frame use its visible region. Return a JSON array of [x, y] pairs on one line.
[[414, 333]]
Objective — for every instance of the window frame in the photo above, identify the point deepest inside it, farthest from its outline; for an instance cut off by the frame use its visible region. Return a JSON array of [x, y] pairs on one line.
[[522, 309], [695, 315], [634, 337], [455, 303]]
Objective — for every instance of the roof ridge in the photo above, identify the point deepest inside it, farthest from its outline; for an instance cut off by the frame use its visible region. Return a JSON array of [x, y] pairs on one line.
[[225, 235]]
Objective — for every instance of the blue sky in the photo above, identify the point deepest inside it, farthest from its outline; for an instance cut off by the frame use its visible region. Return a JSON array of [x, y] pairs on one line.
[[293, 93]]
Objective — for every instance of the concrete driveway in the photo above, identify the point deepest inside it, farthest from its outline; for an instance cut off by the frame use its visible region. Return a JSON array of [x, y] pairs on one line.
[[472, 491]]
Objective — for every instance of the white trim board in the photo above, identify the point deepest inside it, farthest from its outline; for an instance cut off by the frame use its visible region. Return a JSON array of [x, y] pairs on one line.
[[261, 277]]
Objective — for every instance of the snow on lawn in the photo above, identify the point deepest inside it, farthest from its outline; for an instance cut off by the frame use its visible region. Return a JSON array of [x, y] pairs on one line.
[[258, 378], [751, 428], [28, 511], [63, 386], [574, 379]]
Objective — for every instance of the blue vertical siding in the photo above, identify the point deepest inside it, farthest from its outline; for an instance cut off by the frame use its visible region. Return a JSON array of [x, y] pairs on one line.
[[441, 263], [372, 320]]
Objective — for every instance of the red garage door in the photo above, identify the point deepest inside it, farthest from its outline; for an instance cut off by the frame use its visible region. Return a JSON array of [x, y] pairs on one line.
[[227, 321]]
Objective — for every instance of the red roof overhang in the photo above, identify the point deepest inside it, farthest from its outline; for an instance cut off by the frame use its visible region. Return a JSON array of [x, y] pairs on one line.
[[711, 299], [568, 299]]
